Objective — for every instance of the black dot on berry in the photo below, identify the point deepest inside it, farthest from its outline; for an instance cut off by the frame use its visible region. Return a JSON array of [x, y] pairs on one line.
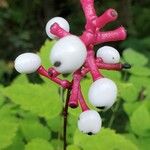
[[102, 107], [57, 63], [90, 133]]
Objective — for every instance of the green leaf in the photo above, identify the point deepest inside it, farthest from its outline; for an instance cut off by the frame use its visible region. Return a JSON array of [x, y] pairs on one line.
[[113, 75], [129, 108], [128, 92], [143, 143], [143, 85], [140, 82], [33, 129], [17, 144], [8, 126], [134, 58], [2, 98], [146, 41], [106, 139], [85, 85], [140, 121], [73, 147], [56, 124], [5, 113], [38, 144], [131, 137], [21, 79], [39, 99], [57, 144], [75, 112], [8, 130], [140, 71], [45, 52], [72, 126]]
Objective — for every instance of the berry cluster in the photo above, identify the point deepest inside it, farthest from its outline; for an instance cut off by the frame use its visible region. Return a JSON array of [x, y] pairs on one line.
[[76, 55]]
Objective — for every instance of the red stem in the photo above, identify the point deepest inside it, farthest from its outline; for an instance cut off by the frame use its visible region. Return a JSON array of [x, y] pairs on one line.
[[89, 10], [73, 102], [102, 65], [58, 31], [107, 17], [109, 36], [91, 62], [82, 102], [63, 83]]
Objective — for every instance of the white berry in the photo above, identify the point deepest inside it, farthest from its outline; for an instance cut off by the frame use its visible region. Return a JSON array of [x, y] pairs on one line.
[[109, 55], [68, 54], [60, 21], [103, 93], [27, 63], [89, 122]]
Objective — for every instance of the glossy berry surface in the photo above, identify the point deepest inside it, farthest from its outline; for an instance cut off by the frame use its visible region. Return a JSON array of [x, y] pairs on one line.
[[68, 54], [89, 122], [103, 93], [27, 63], [61, 22], [108, 54]]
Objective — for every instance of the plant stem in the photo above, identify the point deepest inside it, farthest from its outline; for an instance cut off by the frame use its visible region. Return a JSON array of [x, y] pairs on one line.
[[65, 119], [61, 92]]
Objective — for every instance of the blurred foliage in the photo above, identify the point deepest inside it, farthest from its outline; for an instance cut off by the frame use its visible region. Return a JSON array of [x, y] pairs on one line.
[[31, 107], [31, 113]]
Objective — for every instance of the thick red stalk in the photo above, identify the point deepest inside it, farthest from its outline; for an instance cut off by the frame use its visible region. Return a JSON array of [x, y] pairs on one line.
[[91, 62], [89, 10], [107, 17], [110, 36], [73, 101]]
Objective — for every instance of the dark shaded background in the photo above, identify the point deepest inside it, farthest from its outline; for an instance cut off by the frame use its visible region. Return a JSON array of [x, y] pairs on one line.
[[22, 25]]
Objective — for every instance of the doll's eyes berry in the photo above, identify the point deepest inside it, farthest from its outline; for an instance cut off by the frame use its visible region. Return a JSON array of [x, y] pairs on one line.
[[103, 93], [68, 54], [60, 21], [89, 122], [108, 54], [27, 63]]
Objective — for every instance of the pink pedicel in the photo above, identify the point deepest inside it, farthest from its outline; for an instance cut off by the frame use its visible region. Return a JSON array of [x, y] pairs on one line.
[[58, 31], [90, 37]]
